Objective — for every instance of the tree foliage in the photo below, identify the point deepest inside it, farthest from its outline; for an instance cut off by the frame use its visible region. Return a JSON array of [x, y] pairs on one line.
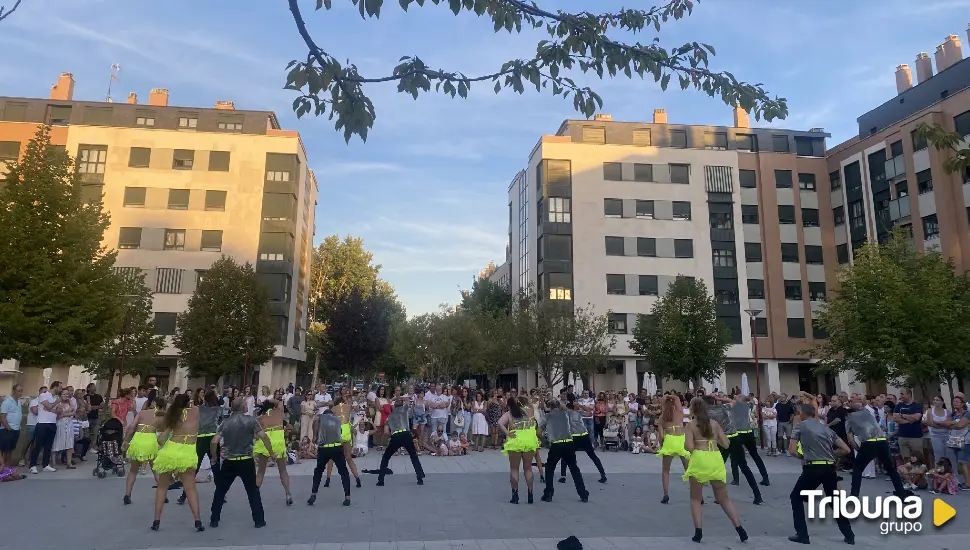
[[440, 345], [136, 340], [682, 338], [899, 315], [227, 320], [59, 300], [357, 332], [487, 296], [948, 142], [582, 42]]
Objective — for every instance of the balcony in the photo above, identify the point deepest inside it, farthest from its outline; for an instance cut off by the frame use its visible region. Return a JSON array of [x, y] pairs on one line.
[[895, 167], [899, 208]]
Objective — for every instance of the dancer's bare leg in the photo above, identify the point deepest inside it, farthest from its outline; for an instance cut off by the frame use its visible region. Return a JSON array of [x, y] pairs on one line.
[[261, 462]]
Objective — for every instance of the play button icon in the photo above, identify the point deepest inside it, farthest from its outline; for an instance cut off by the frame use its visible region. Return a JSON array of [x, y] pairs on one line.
[[942, 512]]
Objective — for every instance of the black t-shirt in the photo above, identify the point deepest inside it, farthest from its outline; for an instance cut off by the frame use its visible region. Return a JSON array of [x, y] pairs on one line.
[[96, 402], [785, 412], [837, 412]]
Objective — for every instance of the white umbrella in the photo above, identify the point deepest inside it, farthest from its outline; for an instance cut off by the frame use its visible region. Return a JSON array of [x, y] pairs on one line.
[[690, 386], [745, 390], [651, 381], [577, 385]]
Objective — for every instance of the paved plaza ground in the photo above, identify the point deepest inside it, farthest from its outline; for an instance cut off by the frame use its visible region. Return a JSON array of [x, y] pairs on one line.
[[463, 504]]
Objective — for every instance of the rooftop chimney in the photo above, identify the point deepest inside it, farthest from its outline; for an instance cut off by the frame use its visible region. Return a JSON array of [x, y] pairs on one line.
[[953, 50], [660, 116], [741, 118], [64, 89], [158, 97], [904, 78], [603, 116], [924, 67], [133, 98], [230, 106], [940, 57]]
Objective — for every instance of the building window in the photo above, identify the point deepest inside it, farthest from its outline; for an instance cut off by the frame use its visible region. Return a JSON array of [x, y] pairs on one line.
[[9, 151], [134, 197], [174, 239], [613, 171], [810, 217], [756, 289], [747, 142], [918, 142], [594, 134], [816, 292], [786, 214], [617, 323], [188, 122], [818, 332], [648, 285], [145, 118], [752, 252], [646, 246], [721, 220], [902, 189], [59, 115], [924, 181], [931, 227], [715, 140], [678, 139], [275, 246], [684, 248], [540, 211], [278, 206], [680, 173], [14, 111], [277, 175], [813, 254], [218, 161], [97, 116], [139, 157], [168, 280], [199, 276], [559, 210], [230, 126], [615, 284], [835, 180], [215, 201], [183, 159], [842, 253], [642, 172], [747, 179], [809, 147], [749, 213], [856, 215], [129, 238], [838, 215], [761, 326], [681, 210], [614, 246], [726, 297], [560, 286], [806, 182], [962, 123], [613, 208], [641, 137], [722, 258], [779, 144], [644, 209], [796, 328], [91, 162], [896, 149], [165, 323], [211, 241], [789, 252], [783, 179], [178, 199]]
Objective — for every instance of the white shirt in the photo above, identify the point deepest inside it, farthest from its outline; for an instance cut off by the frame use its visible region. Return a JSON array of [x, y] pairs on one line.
[[31, 417], [140, 403], [587, 402], [325, 399], [437, 399], [250, 405], [769, 421], [43, 415]]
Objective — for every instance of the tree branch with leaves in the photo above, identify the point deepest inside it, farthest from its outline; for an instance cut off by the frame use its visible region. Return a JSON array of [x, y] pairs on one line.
[[576, 41], [946, 141]]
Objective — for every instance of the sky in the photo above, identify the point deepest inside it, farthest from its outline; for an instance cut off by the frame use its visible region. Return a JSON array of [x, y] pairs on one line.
[[428, 191]]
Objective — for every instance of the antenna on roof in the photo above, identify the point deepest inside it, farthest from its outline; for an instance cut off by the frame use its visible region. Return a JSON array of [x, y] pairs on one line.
[[115, 69]]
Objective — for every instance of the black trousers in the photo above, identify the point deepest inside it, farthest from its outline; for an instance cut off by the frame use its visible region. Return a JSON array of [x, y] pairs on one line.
[[43, 440], [336, 454], [812, 476], [566, 452], [245, 470], [750, 444], [874, 450], [736, 453], [401, 441], [584, 443], [201, 450]]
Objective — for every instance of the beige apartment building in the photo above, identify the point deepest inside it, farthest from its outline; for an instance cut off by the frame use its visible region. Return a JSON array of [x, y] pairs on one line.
[[183, 186]]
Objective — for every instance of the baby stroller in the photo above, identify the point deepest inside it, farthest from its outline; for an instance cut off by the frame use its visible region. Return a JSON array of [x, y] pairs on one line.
[[111, 435], [611, 437]]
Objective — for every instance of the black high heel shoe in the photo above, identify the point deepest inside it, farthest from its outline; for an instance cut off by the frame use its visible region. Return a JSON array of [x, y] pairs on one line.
[[358, 482], [198, 526], [127, 500], [530, 497], [155, 525], [515, 498]]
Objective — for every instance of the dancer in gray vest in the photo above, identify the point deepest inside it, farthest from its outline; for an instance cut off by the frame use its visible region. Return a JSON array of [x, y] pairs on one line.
[[741, 414], [236, 435], [329, 447], [555, 426], [400, 431], [721, 414], [581, 439]]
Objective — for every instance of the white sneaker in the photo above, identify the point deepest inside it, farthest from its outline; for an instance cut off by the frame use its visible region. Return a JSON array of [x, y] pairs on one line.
[[50, 469], [33, 469]]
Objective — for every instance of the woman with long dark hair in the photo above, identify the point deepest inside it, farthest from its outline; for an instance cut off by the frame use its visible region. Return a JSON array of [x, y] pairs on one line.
[[269, 414], [344, 409], [670, 434], [177, 457], [521, 442], [702, 437], [209, 413], [141, 441]]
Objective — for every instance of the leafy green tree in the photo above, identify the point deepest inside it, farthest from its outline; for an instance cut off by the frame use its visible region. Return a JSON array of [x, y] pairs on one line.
[[682, 338], [59, 300], [358, 331], [500, 346], [227, 326], [135, 348], [950, 143], [576, 42], [487, 296], [443, 345], [899, 315]]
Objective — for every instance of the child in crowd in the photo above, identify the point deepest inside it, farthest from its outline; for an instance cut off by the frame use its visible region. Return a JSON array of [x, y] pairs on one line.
[[942, 480], [454, 445], [913, 473], [308, 451], [636, 441], [360, 440], [463, 443]]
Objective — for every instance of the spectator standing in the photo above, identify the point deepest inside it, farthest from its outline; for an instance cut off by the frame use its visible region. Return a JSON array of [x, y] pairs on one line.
[[11, 416], [31, 426], [46, 428], [960, 430], [784, 411], [936, 421], [308, 410], [769, 420], [323, 399], [438, 404], [908, 415], [95, 404], [64, 430]]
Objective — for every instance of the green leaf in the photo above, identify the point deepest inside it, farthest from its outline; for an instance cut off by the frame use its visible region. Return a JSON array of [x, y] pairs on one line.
[[664, 82]]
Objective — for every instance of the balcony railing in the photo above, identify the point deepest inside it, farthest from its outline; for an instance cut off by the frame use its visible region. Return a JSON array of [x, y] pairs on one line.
[[895, 167], [899, 208]]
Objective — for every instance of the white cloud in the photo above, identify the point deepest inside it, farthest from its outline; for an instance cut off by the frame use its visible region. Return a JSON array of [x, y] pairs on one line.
[[345, 168]]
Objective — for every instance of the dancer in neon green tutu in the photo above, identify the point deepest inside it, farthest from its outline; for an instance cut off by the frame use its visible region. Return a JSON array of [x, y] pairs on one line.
[[521, 443], [270, 416], [141, 443], [670, 432], [702, 439], [177, 458], [344, 409]]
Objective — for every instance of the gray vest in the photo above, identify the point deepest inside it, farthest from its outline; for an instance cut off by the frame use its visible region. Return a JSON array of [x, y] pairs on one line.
[[576, 424], [398, 419], [209, 419], [557, 426], [328, 429], [817, 439], [722, 415], [740, 414], [863, 425]]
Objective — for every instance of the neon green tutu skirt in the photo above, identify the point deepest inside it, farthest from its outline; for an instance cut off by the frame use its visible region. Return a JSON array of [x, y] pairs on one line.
[[175, 458], [344, 433], [142, 447], [673, 446], [525, 441], [705, 466], [276, 439]]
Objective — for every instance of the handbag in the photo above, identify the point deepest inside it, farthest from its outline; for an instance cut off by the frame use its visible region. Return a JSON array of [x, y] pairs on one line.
[[458, 420]]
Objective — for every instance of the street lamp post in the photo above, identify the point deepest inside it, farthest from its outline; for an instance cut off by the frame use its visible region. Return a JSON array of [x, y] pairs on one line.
[[753, 314]]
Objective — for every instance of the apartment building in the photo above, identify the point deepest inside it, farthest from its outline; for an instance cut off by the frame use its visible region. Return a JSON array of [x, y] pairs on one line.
[[185, 185], [886, 177], [609, 213]]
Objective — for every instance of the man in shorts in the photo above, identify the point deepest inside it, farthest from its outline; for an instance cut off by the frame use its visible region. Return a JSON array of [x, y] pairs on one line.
[[11, 415], [908, 414]]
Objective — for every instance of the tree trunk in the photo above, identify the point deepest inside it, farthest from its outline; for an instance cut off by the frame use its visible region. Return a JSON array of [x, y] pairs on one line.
[[111, 379], [316, 369]]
